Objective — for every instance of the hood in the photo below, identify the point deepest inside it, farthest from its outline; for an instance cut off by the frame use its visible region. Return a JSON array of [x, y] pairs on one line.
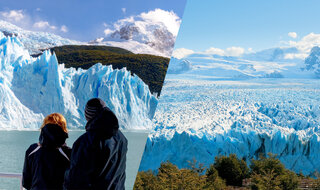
[[53, 136], [105, 123]]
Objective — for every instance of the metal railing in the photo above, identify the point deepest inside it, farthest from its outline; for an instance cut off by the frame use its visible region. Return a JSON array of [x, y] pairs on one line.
[[12, 175]]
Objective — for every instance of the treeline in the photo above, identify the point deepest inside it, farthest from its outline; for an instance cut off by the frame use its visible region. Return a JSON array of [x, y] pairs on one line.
[[227, 172], [150, 68]]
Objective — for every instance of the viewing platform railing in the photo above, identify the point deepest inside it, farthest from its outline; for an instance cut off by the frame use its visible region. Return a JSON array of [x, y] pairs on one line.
[[12, 175]]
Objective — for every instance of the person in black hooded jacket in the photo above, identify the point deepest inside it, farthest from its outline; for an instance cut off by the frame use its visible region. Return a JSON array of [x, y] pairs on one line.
[[46, 162], [98, 158]]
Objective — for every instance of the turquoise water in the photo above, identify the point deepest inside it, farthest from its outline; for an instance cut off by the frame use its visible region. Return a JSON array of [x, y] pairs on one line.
[[13, 145]]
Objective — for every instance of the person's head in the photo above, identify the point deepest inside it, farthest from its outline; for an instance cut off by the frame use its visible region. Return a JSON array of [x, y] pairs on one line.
[[93, 107], [55, 118], [105, 124]]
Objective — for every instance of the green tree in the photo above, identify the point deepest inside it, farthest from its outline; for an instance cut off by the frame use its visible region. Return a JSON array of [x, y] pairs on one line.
[[271, 173], [316, 181], [213, 181], [168, 176], [267, 179], [264, 164], [150, 68], [317, 184], [146, 181], [289, 180], [191, 180], [198, 169], [231, 169], [196, 166]]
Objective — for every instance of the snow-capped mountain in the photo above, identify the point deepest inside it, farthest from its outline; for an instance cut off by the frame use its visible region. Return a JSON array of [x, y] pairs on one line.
[[313, 61], [179, 66], [137, 36], [153, 32], [270, 63], [34, 42], [31, 88], [154, 39], [272, 55], [155, 36]]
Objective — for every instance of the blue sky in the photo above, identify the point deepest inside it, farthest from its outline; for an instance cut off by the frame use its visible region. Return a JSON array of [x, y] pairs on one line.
[[246, 23], [79, 19]]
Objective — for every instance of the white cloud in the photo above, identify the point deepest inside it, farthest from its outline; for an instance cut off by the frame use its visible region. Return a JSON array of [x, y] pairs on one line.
[[107, 31], [64, 28], [306, 43], [146, 20], [231, 51], [295, 56], [124, 10], [304, 46], [44, 25], [215, 51], [181, 53], [26, 21], [15, 15], [170, 19], [105, 24], [99, 40], [117, 25], [234, 51], [292, 35]]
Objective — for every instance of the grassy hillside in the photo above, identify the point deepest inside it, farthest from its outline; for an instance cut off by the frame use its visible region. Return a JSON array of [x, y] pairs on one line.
[[151, 69]]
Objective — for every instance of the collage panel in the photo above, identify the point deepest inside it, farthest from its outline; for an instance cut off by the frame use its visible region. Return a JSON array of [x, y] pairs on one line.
[[239, 107], [85, 75]]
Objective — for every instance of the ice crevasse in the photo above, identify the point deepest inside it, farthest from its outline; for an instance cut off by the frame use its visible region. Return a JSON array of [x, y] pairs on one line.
[[31, 88], [223, 120]]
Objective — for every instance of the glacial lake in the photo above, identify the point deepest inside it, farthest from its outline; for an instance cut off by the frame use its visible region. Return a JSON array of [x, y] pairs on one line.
[[13, 145]]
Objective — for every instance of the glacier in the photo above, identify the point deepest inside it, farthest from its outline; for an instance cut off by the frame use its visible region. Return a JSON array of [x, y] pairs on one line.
[[31, 88], [225, 105], [35, 42]]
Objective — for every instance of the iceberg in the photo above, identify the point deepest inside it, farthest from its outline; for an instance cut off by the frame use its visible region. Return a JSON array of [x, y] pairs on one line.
[[31, 88]]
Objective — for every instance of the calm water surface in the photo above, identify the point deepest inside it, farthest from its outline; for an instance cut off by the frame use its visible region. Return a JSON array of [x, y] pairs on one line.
[[13, 145]]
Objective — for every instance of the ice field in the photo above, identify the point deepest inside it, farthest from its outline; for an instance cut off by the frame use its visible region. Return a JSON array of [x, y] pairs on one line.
[[201, 116], [257, 103]]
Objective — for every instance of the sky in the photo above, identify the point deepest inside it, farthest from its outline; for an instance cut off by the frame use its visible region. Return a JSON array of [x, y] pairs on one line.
[[235, 26], [81, 20]]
